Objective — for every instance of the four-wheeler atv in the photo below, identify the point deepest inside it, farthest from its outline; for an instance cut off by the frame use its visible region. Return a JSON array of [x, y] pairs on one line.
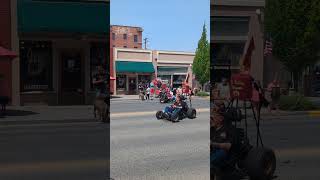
[[244, 160], [165, 98], [186, 112]]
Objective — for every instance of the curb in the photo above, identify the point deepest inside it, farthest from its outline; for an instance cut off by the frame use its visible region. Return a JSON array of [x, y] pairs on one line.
[[29, 122]]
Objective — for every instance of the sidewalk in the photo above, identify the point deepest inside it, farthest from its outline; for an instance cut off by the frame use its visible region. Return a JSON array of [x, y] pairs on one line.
[[136, 97], [47, 114]]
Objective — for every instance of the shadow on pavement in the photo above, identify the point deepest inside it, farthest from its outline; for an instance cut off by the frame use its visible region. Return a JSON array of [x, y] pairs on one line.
[[14, 112]]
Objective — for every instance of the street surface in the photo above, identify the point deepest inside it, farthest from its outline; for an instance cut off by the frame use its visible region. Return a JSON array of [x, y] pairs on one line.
[[295, 139], [62, 151], [65, 143], [144, 148]]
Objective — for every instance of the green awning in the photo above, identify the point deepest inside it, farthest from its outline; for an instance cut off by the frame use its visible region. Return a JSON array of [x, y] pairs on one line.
[[134, 67], [63, 16]]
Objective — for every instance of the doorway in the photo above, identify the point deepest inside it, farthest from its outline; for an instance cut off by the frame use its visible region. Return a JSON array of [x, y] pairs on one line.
[[72, 78], [132, 86]]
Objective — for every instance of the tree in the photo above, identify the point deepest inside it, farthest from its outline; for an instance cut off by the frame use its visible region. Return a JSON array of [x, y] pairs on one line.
[[201, 62], [293, 26]]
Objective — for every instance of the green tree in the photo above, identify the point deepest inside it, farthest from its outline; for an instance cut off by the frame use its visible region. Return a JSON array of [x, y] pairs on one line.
[[293, 26], [201, 62]]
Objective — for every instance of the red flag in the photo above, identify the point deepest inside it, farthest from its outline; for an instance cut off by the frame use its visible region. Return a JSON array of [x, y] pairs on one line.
[[247, 56]]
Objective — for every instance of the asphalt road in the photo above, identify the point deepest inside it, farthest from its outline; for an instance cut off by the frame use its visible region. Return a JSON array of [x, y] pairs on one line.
[[295, 139], [144, 148], [77, 151]]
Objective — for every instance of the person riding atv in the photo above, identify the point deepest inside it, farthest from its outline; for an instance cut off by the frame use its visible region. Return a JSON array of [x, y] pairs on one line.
[[177, 111], [166, 97], [175, 108]]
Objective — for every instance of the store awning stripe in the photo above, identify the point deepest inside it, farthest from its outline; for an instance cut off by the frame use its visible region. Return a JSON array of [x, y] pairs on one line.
[[134, 67]]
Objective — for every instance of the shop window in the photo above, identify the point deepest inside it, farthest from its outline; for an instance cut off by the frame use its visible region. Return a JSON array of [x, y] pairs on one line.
[[35, 65], [135, 38], [178, 80], [145, 79], [165, 78], [230, 26], [121, 81], [98, 56]]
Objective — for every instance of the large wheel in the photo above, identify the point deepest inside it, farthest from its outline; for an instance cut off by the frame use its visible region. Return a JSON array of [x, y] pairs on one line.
[[260, 164], [192, 113], [159, 115], [174, 118]]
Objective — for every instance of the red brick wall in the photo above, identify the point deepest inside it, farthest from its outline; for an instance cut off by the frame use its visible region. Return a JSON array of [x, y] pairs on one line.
[[6, 82], [5, 24], [129, 42], [5, 41]]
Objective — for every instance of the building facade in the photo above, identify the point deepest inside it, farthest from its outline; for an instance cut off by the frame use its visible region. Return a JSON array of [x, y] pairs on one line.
[[235, 22], [174, 66], [59, 49], [134, 66]]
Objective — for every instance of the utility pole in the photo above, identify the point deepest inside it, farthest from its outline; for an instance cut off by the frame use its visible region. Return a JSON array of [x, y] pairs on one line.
[[145, 43]]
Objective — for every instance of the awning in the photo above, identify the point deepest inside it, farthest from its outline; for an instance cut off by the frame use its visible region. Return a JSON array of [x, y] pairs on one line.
[[7, 53], [171, 70], [63, 16], [134, 67]]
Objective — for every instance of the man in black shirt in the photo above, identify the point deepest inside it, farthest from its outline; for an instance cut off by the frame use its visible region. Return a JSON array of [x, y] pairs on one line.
[[220, 137], [99, 81]]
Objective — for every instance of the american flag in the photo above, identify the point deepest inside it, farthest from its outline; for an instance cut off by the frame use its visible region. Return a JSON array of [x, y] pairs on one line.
[[268, 48]]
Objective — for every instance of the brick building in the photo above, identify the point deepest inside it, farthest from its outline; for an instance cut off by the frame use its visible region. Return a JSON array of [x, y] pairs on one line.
[[126, 36], [123, 37]]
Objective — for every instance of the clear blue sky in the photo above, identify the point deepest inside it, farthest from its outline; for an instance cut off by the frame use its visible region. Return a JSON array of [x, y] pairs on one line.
[[168, 24]]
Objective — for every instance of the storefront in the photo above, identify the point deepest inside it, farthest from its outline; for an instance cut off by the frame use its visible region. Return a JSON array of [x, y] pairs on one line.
[[173, 74], [132, 67], [60, 52], [173, 67]]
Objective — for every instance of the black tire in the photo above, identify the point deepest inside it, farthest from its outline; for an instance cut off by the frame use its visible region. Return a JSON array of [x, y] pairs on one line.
[[159, 115], [260, 164], [174, 118], [191, 113]]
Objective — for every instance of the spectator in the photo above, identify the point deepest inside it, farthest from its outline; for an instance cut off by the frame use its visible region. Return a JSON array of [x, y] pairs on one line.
[[273, 95], [148, 93], [224, 90]]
